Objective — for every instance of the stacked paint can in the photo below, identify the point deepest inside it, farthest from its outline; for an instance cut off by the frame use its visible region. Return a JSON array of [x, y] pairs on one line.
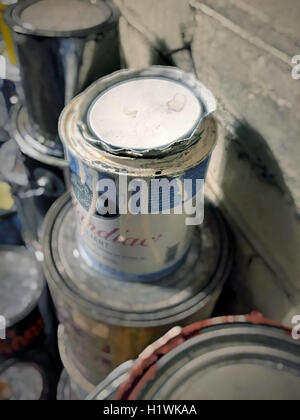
[[121, 274], [228, 358], [62, 46]]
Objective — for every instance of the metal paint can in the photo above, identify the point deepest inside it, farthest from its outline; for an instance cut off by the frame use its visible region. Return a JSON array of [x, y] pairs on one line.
[[137, 126], [228, 358], [47, 177], [22, 381], [60, 57], [21, 286], [107, 320], [107, 389]]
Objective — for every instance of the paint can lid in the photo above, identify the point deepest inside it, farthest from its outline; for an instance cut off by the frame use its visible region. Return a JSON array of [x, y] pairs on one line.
[[23, 381], [21, 283], [60, 18], [144, 113], [229, 358], [181, 294]]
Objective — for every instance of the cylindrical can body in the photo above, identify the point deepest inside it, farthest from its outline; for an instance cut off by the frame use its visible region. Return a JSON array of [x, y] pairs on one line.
[[129, 200], [107, 320], [133, 246], [57, 64]]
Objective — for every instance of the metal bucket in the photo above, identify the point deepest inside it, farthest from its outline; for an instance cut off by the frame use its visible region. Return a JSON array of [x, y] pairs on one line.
[[57, 63], [228, 358], [107, 320], [22, 381], [135, 129], [21, 286]]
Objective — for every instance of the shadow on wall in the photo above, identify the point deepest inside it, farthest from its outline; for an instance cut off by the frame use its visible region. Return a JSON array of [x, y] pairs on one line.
[[258, 203]]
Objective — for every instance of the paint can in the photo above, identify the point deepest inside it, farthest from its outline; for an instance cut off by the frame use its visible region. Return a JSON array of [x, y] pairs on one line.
[[131, 129], [47, 177], [227, 358], [22, 381], [62, 46], [21, 286], [107, 320], [68, 390]]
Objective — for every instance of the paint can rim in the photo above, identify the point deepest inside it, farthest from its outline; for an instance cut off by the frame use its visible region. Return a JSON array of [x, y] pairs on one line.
[[12, 19]]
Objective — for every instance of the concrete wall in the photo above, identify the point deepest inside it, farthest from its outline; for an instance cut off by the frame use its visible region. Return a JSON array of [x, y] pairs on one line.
[[242, 51]]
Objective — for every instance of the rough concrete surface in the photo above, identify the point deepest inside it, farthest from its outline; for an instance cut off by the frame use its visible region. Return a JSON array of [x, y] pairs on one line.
[[242, 50]]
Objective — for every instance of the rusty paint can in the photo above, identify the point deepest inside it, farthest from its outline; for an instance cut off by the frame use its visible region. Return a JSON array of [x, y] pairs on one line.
[[21, 287], [59, 57], [134, 128], [107, 320], [227, 358]]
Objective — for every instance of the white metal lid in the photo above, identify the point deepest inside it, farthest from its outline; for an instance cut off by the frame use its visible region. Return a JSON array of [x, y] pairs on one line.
[[63, 15], [144, 113]]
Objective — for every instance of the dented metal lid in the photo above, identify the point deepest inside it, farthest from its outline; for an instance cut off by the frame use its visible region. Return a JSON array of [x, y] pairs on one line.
[[142, 113], [190, 288]]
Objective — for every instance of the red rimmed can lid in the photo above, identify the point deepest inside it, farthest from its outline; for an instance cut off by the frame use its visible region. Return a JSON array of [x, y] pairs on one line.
[[230, 357]]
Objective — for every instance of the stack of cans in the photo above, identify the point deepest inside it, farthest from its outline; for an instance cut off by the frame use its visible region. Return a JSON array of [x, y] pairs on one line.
[[127, 254], [62, 46]]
